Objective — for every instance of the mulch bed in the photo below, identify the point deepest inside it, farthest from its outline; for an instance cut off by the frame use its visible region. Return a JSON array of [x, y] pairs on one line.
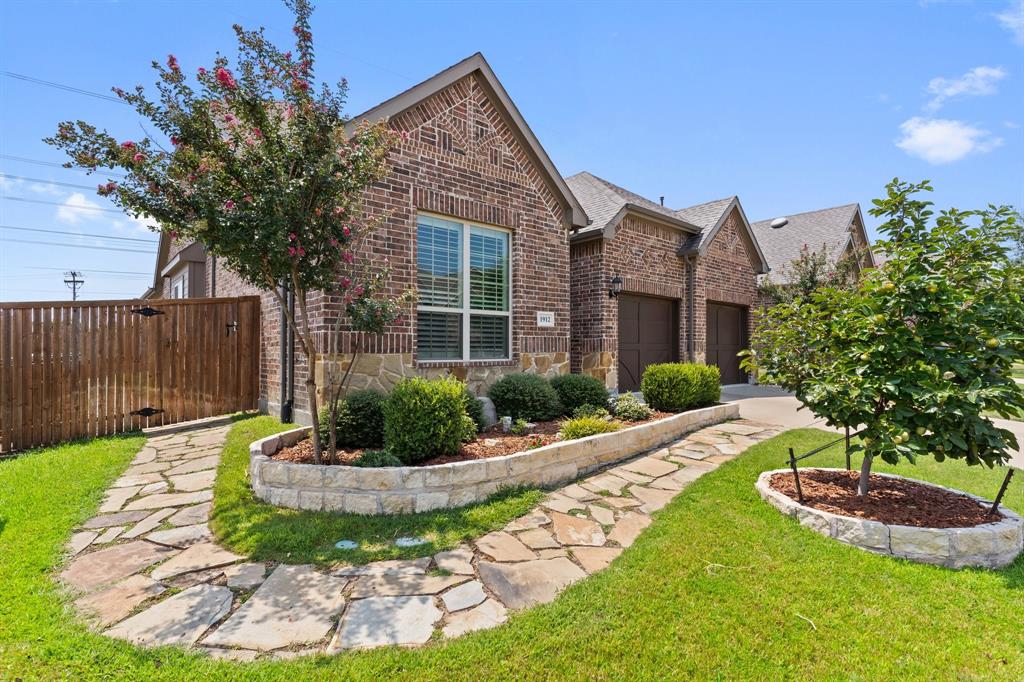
[[492, 442], [890, 500]]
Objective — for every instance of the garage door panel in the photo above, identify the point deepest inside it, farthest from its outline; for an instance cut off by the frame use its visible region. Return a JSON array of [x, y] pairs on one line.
[[726, 338], [648, 334]]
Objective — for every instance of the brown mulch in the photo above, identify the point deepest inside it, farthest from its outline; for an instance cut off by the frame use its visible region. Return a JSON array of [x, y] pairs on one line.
[[890, 500], [492, 442]]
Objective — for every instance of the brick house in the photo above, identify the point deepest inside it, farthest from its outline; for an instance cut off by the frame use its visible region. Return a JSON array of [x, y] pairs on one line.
[[479, 222], [652, 284], [513, 264]]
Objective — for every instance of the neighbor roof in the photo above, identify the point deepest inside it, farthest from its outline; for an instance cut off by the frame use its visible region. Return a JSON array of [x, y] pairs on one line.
[[476, 63], [828, 227], [606, 203]]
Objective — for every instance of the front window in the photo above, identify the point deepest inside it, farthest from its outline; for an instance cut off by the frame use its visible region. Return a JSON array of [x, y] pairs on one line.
[[463, 279], [179, 286]]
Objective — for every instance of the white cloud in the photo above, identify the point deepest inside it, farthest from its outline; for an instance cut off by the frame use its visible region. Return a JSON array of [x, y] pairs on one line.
[[71, 211], [940, 141], [1011, 125], [131, 224], [1013, 20], [7, 183], [45, 188], [979, 81]]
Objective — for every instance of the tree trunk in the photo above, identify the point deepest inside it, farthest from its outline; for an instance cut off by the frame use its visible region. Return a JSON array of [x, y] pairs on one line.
[[311, 397], [865, 475]]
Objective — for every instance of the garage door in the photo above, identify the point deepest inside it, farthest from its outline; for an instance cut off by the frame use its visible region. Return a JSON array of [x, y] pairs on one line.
[[648, 334], [727, 336]]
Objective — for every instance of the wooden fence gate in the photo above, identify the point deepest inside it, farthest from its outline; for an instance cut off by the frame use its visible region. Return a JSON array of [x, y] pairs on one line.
[[72, 370]]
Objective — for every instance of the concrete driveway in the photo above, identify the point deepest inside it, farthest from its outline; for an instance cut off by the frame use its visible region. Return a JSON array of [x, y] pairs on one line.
[[774, 406]]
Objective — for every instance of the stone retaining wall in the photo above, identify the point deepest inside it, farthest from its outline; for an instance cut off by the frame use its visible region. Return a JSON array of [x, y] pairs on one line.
[[990, 545], [402, 490]]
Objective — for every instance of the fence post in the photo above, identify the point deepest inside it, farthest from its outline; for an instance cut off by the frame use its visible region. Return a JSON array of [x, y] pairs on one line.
[[796, 476]]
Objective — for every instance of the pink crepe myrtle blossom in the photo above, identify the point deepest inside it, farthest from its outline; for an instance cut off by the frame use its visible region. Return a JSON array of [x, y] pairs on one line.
[[346, 230], [229, 204], [347, 257], [175, 141], [292, 236], [292, 251], [247, 198], [106, 190], [127, 144], [172, 63], [346, 282], [225, 78], [202, 71], [334, 242], [139, 157]]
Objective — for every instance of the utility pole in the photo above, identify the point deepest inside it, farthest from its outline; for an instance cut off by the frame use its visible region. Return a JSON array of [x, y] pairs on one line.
[[74, 280]]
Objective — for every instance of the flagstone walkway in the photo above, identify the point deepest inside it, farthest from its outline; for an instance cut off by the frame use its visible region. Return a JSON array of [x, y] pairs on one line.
[[146, 568]]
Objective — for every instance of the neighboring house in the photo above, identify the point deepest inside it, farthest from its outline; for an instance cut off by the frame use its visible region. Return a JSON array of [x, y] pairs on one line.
[[651, 284], [478, 222], [838, 231]]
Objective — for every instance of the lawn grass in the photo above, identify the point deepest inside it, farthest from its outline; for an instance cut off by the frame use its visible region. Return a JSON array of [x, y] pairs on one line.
[[263, 532], [1017, 371], [719, 587]]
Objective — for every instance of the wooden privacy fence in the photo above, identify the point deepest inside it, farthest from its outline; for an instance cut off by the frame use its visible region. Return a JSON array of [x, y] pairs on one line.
[[94, 368]]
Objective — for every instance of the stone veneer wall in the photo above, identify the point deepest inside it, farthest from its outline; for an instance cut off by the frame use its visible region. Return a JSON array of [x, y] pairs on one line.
[[382, 372], [990, 545], [402, 490]]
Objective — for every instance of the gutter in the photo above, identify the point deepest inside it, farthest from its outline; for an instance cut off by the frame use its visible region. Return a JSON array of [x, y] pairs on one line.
[[286, 343], [690, 257]]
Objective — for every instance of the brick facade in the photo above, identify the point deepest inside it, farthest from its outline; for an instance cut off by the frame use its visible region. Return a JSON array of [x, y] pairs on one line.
[[644, 253], [460, 161]]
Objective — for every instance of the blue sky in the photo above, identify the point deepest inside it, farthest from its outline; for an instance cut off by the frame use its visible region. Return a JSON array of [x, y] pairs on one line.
[[791, 105]]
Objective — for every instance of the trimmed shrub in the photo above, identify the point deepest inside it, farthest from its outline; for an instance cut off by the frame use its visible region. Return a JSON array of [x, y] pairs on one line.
[[576, 390], [424, 419], [629, 408], [377, 458], [674, 387], [360, 420], [473, 408], [581, 427], [591, 411], [525, 396]]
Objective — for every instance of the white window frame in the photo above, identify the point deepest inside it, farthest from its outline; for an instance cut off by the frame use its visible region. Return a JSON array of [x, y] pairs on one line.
[[465, 311], [181, 281]]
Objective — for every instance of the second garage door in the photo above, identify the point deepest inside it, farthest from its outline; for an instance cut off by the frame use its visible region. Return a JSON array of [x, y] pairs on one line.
[[648, 334], [727, 336]]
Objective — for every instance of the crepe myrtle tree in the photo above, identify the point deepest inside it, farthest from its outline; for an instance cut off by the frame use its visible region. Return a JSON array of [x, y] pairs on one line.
[[921, 348], [259, 168]]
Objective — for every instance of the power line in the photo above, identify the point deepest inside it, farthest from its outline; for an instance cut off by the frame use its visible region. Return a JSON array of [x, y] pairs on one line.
[[47, 182], [78, 234], [64, 205], [109, 272], [54, 164], [76, 246], [61, 86]]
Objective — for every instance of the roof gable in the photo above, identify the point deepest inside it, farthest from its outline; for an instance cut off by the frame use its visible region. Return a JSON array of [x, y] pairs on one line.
[[711, 216], [828, 228], [607, 204], [476, 64]]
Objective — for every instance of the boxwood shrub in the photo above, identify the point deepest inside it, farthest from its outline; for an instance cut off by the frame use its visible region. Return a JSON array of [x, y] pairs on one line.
[[425, 418], [674, 387], [525, 396], [576, 390], [474, 408], [360, 420]]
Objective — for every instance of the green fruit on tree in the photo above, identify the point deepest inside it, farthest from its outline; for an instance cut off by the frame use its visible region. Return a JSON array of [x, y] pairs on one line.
[[889, 286], [878, 319], [921, 430], [992, 343], [865, 356], [932, 288]]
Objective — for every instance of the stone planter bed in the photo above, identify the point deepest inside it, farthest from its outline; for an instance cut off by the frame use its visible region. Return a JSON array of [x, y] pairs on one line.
[[978, 540], [398, 490]]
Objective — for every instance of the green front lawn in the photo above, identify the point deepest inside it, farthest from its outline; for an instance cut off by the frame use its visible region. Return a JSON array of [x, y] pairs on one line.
[[1017, 371], [248, 526], [721, 586]]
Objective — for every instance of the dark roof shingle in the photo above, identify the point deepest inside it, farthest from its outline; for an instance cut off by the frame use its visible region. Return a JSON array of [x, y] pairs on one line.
[[828, 227], [603, 200]]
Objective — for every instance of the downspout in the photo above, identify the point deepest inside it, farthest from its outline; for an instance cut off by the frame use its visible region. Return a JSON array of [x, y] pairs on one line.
[[283, 359], [213, 276], [691, 274], [290, 404]]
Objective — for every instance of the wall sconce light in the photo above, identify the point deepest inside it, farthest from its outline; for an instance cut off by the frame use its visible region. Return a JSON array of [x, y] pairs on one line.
[[616, 287]]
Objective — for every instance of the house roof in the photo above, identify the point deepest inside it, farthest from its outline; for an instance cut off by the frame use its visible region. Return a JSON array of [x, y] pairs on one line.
[[710, 216], [828, 227], [606, 203], [496, 92]]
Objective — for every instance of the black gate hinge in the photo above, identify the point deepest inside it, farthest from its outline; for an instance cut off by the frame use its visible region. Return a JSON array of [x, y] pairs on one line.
[[148, 312], [146, 411]]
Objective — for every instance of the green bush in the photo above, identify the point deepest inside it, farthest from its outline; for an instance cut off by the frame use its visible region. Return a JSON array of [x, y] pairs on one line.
[[576, 390], [360, 420], [629, 408], [591, 411], [520, 427], [525, 396], [377, 458], [474, 408], [674, 387], [424, 419], [581, 427]]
